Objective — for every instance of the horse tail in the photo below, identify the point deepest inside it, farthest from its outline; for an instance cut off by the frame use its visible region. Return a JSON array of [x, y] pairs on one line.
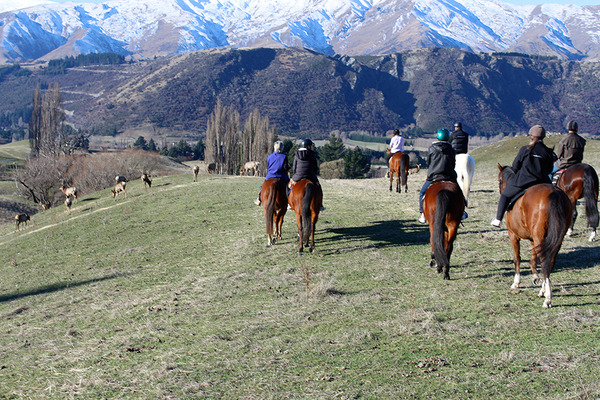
[[404, 162], [559, 206], [469, 178], [439, 229], [270, 191], [309, 193], [590, 193]]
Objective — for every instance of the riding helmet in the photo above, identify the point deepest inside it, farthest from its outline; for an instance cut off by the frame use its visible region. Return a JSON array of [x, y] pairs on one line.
[[305, 143], [572, 126], [458, 125], [537, 131], [443, 134]]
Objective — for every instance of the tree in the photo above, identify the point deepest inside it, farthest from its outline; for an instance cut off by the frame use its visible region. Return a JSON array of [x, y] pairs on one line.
[[152, 145], [356, 164], [141, 143], [199, 150], [46, 126], [334, 150]]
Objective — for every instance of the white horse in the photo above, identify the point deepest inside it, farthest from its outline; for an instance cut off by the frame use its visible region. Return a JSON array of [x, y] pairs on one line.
[[465, 168]]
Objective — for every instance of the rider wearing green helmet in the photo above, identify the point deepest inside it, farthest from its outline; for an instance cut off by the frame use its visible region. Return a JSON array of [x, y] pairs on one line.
[[441, 159]]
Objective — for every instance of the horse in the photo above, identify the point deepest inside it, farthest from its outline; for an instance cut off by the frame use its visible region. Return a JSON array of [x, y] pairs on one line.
[[306, 199], [399, 163], [581, 181], [274, 201], [443, 207], [542, 216], [251, 167], [465, 169]]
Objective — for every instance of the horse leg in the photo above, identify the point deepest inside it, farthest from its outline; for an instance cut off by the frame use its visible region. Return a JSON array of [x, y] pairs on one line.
[[592, 235], [570, 230], [299, 223], [533, 265], [516, 245], [546, 292], [391, 179]]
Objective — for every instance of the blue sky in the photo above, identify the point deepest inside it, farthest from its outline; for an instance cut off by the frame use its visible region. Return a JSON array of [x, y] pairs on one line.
[[578, 2]]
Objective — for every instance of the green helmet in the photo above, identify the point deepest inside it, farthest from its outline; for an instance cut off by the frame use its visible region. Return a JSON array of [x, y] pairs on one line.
[[443, 134]]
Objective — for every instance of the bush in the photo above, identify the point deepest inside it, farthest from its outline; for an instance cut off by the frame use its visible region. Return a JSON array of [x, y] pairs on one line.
[[333, 169]]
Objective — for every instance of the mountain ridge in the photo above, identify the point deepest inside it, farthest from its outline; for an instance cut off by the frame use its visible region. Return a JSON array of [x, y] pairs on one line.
[[145, 29]]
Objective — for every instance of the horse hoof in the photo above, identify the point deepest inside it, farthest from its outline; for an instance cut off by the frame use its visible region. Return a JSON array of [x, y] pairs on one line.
[[569, 232], [439, 269], [592, 237], [432, 263], [446, 277], [536, 282], [547, 304]]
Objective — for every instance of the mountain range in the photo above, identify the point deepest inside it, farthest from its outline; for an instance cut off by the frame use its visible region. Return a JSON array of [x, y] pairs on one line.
[[305, 93], [144, 29]]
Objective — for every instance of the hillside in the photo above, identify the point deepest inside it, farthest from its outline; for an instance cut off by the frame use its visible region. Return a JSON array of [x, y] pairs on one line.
[[306, 93], [171, 293]]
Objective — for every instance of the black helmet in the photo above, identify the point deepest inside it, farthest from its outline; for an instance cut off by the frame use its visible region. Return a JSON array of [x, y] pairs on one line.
[[306, 143], [458, 125], [572, 126]]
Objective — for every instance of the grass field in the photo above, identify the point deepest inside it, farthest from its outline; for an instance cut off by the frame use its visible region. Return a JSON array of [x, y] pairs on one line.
[[171, 293]]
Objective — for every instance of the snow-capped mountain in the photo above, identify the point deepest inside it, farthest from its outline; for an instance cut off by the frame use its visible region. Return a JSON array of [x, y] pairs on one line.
[[147, 28]]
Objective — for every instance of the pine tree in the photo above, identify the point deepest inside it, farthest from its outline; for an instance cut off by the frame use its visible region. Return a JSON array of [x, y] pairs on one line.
[[356, 164], [334, 150]]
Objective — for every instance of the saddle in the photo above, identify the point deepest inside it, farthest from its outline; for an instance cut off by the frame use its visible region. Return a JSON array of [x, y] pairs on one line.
[[557, 175]]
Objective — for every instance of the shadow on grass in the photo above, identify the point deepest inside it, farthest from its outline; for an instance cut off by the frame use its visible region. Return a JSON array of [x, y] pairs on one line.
[[90, 199], [56, 287], [379, 234]]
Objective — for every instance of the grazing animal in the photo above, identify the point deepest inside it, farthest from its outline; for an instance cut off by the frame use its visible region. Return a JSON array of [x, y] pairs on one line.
[[542, 216], [119, 178], [274, 201], [465, 169], [69, 191], [68, 204], [146, 179], [21, 218], [119, 187], [399, 163], [212, 168], [196, 170], [250, 168], [443, 207], [306, 199], [581, 181]]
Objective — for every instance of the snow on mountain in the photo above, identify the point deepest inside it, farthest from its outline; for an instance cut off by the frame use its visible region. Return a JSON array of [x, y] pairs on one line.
[[146, 28]]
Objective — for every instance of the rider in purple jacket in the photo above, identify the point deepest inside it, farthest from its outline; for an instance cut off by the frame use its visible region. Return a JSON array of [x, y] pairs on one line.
[[277, 167]]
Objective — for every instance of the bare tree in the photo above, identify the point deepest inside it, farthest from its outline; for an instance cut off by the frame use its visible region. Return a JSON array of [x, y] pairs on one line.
[[47, 127]]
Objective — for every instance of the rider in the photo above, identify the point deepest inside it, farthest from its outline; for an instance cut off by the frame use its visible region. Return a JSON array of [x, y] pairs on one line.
[[441, 159], [305, 164], [396, 145], [532, 165], [459, 139], [569, 151], [277, 167]]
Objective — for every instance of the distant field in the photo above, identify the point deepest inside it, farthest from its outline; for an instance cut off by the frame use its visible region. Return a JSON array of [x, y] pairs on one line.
[[171, 293]]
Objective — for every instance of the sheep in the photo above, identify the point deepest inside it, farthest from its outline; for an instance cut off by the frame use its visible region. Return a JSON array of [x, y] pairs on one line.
[[146, 179], [119, 187], [19, 218], [196, 170]]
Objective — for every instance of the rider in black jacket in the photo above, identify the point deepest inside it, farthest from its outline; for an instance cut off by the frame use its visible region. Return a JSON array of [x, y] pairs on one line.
[[532, 165], [441, 160], [459, 139]]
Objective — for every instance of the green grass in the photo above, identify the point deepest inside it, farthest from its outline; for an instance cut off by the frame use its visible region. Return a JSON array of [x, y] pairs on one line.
[[172, 293], [15, 152]]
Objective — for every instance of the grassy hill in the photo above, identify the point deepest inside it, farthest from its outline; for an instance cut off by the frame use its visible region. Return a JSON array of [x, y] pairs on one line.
[[171, 293]]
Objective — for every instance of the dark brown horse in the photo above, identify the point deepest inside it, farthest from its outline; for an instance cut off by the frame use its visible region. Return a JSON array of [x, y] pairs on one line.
[[274, 200], [443, 207], [541, 216], [581, 181], [306, 199], [399, 163]]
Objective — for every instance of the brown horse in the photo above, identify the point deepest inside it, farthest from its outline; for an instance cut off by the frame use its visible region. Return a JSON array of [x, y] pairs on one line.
[[274, 200], [443, 207], [306, 199], [541, 216], [399, 163], [581, 181]]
